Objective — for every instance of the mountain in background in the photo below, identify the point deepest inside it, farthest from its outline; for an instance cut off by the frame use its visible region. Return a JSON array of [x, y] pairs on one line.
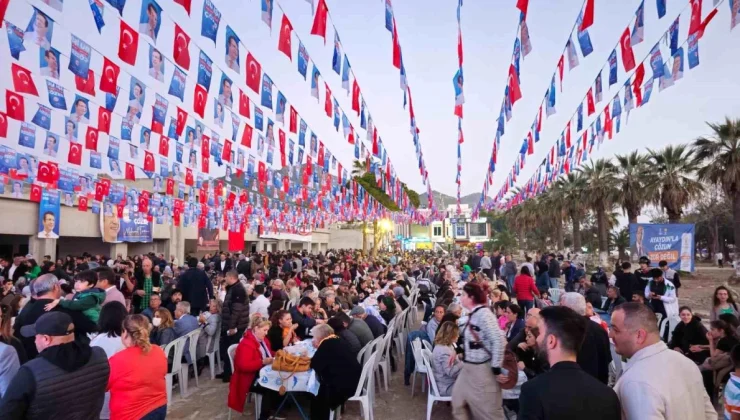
[[444, 200]]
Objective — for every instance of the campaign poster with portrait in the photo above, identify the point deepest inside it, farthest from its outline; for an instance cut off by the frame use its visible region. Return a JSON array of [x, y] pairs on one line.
[[51, 145], [208, 239], [132, 227], [80, 110], [49, 212], [156, 64], [218, 114], [225, 96], [673, 243], [39, 30], [49, 63], [232, 50], [150, 19], [136, 97]]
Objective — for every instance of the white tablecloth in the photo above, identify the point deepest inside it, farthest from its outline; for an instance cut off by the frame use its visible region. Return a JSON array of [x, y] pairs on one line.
[[297, 382]]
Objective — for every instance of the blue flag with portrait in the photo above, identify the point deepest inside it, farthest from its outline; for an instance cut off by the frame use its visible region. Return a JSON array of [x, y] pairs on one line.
[[656, 62], [302, 60], [259, 119], [79, 60], [302, 133], [693, 51], [15, 40], [110, 99], [97, 11], [172, 130], [27, 135], [205, 71], [613, 67], [177, 85], [210, 21], [584, 40], [56, 95], [159, 111], [266, 100], [42, 118]]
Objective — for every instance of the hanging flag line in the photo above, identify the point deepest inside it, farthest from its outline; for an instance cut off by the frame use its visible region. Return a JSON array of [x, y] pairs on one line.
[[552, 167], [512, 89], [549, 99], [457, 83], [386, 178]]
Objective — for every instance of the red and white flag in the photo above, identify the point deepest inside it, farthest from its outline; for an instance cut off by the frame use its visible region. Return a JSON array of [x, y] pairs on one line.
[[109, 77], [128, 44], [284, 42], [23, 80]]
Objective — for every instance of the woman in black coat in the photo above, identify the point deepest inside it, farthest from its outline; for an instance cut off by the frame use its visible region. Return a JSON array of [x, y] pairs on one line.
[[337, 370], [689, 333]]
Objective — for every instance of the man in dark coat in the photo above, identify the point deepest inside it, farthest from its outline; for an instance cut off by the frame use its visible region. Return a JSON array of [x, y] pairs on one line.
[[626, 281], [244, 266], [565, 391], [336, 369], [223, 266], [196, 287], [234, 319], [594, 355]]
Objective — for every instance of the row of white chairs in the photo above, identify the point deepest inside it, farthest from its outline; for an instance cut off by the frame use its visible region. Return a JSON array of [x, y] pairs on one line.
[[180, 369]]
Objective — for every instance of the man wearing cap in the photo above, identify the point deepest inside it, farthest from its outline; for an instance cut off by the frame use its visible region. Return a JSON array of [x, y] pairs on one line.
[[66, 381], [643, 273]]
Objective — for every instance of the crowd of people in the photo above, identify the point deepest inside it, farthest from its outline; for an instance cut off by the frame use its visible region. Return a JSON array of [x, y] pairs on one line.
[[500, 341]]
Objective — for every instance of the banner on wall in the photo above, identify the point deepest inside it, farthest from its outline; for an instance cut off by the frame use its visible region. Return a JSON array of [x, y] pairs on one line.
[[208, 239], [132, 227], [285, 236], [49, 215], [673, 243]]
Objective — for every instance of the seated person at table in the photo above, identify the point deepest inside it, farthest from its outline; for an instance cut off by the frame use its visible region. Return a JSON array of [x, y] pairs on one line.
[[613, 300], [387, 306], [252, 354], [377, 327], [526, 352], [163, 332], [435, 321], [358, 327], [347, 337], [446, 364], [301, 315], [336, 369], [282, 332], [689, 336]]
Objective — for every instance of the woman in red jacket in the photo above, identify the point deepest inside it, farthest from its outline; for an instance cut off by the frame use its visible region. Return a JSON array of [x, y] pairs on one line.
[[525, 290], [252, 354]]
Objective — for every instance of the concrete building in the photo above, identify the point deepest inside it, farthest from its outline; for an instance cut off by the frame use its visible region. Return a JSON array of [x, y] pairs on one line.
[[454, 229]]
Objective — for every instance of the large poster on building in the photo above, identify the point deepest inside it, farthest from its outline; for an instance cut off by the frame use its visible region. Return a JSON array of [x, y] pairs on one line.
[[208, 239], [49, 215], [287, 236], [131, 227], [673, 243]]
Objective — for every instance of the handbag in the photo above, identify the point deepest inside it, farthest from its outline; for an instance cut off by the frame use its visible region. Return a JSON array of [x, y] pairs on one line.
[[509, 363], [286, 362]]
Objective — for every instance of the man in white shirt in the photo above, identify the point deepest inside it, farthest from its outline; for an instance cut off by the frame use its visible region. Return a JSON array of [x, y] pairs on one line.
[[657, 383], [260, 304]]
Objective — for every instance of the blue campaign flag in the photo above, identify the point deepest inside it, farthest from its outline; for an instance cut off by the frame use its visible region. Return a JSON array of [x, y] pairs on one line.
[[638, 30], [42, 118], [15, 40], [363, 121], [673, 32], [678, 64], [79, 60], [656, 62], [616, 106], [302, 133], [205, 70], [27, 135], [517, 55], [598, 89], [661, 8], [178, 152], [357, 149], [177, 85], [388, 16], [345, 74], [673, 243], [584, 40], [56, 95], [336, 114], [172, 130], [613, 67], [97, 13], [523, 149], [118, 5], [693, 49], [126, 129], [210, 21], [159, 111], [266, 100], [579, 125], [95, 160], [336, 59], [110, 99], [113, 147], [302, 60], [259, 119], [299, 159]]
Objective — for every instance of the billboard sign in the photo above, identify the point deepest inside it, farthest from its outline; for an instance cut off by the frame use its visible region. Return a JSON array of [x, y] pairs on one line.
[[673, 243]]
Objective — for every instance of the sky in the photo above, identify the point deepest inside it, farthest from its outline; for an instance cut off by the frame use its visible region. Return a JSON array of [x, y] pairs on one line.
[[428, 34]]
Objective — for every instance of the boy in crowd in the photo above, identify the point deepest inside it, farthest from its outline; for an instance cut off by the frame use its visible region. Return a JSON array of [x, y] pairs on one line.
[[87, 299]]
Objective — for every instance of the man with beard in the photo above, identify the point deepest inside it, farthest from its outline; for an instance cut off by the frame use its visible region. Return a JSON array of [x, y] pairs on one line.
[[565, 391]]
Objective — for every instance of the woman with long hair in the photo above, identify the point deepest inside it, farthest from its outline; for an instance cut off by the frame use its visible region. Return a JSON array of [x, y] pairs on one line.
[[723, 303], [446, 365], [163, 332], [282, 330], [110, 329], [33, 269], [136, 384], [690, 336], [6, 333]]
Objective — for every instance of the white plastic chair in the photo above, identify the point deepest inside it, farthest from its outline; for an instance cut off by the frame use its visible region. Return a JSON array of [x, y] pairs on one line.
[[433, 392], [192, 344], [617, 360], [231, 351], [399, 337], [365, 392], [366, 351], [419, 367], [383, 359], [670, 324], [177, 347], [427, 345], [214, 357], [554, 295]]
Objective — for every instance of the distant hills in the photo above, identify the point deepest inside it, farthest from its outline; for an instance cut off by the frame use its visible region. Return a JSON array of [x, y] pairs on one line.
[[443, 200]]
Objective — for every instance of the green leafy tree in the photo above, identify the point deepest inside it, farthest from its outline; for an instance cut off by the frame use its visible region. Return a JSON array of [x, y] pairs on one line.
[[674, 171]]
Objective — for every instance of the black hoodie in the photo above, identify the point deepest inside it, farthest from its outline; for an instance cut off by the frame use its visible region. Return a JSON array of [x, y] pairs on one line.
[[65, 381], [687, 335]]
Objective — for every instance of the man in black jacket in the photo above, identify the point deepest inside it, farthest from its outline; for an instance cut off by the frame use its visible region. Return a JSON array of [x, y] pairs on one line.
[[16, 269], [627, 281], [196, 287], [244, 266], [66, 381], [223, 266], [45, 289], [234, 319], [613, 300], [301, 315], [594, 356], [565, 391], [553, 267]]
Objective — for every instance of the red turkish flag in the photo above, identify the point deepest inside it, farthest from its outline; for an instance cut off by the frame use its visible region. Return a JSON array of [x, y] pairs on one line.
[[226, 155], [23, 80], [104, 120], [86, 85], [254, 71], [105, 182], [637, 83], [189, 177], [247, 136], [319, 22], [200, 97], [128, 44], [321, 153], [351, 137], [205, 164], [148, 161], [109, 77], [157, 127], [185, 5], [327, 102], [182, 119], [99, 191], [695, 21], [205, 148], [82, 203], [144, 202], [15, 106], [628, 57], [515, 92], [356, 97], [588, 16], [396, 47], [119, 211], [3, 125], [293, 120], [91, 139], [243, 104], [45, 173], [522, 5], [284, 44], [75, 154], [181, 49], [170, 186], [3, 8], [590, 106], [261, 172], [35, 193], [164, 146], [130, 172]]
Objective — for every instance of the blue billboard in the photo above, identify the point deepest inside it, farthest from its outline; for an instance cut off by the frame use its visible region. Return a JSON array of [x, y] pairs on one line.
[[673, 243], [131, 227]]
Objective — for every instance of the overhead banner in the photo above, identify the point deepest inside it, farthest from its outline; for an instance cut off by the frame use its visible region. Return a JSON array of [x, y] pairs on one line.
[[208, 239], [285, 236], [131, 227], [673, 243], [49, 215]]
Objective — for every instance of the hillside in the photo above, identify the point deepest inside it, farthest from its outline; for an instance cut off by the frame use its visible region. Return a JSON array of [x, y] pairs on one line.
[[443, 200]]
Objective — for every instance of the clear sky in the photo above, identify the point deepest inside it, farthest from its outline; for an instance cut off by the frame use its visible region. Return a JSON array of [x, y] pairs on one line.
[[427, 30]]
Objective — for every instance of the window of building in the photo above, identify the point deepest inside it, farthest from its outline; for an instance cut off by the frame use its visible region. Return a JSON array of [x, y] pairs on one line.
[[460, 231], [477, 229], [437, 231]]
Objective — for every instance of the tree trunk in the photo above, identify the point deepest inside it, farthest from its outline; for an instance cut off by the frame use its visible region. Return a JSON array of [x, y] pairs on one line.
[[559, 236], [376, 239], [603, 236], [674, 216], [632, 214], [364, 238], [736, 220], [576, 232], [520, 237]]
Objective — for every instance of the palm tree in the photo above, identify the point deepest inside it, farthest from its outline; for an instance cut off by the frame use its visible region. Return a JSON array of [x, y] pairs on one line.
[[601, 193], [720, 157], [552, 205], [634, 183], [358, 168], [621, 240], [572, 187], [674, 167]]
